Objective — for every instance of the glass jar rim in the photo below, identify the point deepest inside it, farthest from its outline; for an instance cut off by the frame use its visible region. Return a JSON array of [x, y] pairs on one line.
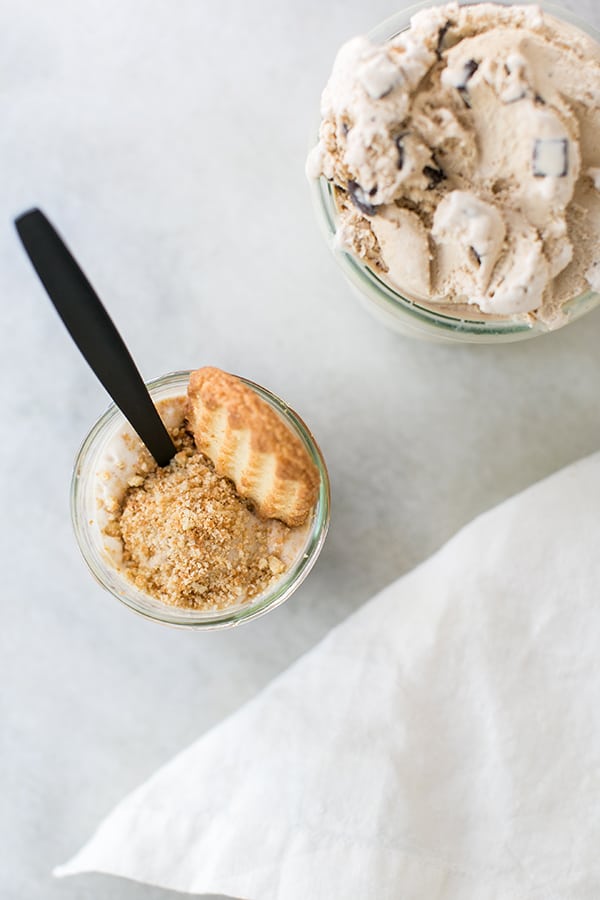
[[107, 574]]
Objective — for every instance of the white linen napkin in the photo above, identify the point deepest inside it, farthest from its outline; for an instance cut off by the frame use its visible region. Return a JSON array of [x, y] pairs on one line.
[[443, 742]]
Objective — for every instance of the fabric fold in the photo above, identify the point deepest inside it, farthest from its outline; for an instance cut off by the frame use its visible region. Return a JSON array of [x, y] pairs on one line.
[[443, 742]]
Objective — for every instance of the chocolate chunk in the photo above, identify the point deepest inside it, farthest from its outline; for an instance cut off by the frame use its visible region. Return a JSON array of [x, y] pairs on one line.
[[400, 147], [551, 158], [539, 100], [464, 95], [345, 128], [471, 67], [441, 37], [357, 195], [399, 141], [516, 99], [385, 93], [435, 175], [475, 255]]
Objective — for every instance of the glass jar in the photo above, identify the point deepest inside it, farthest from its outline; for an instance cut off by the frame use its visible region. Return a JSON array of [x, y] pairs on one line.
[[90, 465], [411, 317]]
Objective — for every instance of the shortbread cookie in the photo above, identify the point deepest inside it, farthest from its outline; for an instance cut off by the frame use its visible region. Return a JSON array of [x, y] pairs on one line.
[[249, 443]]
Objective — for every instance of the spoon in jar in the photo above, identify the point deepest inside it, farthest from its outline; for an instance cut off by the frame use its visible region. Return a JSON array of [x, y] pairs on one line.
[[93, 331]]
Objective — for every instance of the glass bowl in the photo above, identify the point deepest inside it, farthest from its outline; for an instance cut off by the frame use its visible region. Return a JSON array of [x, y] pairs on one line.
[[84, 512], [400, 312]]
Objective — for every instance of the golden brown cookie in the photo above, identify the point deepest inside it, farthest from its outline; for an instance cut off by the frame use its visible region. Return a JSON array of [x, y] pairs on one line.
[[248, 442]]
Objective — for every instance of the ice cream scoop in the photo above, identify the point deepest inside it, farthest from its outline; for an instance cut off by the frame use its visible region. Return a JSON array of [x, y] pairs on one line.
[[460, 153]]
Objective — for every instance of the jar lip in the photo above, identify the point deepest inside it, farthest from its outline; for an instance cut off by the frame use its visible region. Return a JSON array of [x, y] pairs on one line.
[[418, 315], [115, 582], [400, 20]]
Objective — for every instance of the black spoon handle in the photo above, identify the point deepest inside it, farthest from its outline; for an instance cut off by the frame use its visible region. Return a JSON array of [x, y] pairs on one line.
[[92, 330]]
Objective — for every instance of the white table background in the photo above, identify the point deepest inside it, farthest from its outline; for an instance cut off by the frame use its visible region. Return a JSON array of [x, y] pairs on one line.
[[166, 140]]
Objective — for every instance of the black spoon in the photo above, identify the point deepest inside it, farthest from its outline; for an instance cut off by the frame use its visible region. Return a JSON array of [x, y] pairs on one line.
[[93, 331]]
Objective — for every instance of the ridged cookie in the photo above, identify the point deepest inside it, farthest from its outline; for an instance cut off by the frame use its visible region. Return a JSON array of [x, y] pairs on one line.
[[248, 442]]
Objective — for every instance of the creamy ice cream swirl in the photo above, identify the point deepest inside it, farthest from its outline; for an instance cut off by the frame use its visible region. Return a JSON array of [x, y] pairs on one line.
[[470, 145]]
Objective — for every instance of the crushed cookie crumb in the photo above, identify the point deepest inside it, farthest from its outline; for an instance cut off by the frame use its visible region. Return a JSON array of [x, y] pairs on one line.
[[275, 565], [188, 538]]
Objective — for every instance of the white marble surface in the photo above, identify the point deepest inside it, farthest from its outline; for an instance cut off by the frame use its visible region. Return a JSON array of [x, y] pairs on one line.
[[166, 140]]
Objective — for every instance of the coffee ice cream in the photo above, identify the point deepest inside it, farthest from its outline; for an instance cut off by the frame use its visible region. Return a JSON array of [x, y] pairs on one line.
[[465, 159]]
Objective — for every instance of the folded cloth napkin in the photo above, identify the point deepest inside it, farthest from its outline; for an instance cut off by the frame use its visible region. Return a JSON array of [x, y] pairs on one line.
[[443, 742]]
